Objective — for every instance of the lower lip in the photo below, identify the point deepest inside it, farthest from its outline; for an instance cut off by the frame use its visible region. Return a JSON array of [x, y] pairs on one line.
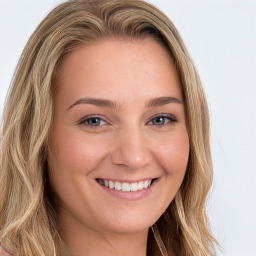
[[130, 195]]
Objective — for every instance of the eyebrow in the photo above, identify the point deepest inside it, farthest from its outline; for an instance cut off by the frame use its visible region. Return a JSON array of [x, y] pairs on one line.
[[96, 102], [155, 102]]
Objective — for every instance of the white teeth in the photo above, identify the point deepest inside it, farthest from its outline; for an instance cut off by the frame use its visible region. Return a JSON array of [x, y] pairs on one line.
[[118, 185], [145, 185], [106, 183], [126, 187], [135, 186], [111, 184], [140, 185]]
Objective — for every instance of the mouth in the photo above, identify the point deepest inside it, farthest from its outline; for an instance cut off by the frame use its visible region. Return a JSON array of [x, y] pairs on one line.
[[126, 186]]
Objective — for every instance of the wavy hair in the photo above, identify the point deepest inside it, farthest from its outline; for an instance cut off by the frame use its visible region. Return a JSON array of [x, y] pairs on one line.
[[27, 213]]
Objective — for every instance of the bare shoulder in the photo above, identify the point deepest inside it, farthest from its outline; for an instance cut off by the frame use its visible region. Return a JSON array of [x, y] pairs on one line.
[[3, 251]]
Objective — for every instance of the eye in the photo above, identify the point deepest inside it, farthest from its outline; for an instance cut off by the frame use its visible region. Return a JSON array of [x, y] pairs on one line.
[[92, 121], [163, 120]]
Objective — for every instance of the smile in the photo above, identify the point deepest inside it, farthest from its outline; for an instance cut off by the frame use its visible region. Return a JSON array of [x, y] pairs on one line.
[[125, 186]]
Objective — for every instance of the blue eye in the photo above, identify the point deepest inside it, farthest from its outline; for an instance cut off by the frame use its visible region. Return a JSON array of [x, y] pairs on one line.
[[93, 121], [162, 120]]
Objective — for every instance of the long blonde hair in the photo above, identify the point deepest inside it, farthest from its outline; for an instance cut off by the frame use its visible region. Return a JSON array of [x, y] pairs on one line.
[[27, 213]]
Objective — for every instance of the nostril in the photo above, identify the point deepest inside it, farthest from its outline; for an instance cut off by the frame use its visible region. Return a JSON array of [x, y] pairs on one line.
[[133, 159]]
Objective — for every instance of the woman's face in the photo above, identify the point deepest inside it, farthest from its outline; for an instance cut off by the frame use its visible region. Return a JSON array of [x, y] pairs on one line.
[[119, 125]]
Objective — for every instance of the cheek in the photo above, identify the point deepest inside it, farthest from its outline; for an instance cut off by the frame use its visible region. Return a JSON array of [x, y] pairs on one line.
[[73, 157], [173, 154], [77, 152]]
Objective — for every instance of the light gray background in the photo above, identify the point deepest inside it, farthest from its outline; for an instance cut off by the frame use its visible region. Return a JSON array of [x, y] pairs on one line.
[[221, 36]]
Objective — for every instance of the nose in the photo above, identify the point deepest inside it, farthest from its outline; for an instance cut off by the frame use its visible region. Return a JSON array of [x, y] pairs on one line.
[[131, 149]]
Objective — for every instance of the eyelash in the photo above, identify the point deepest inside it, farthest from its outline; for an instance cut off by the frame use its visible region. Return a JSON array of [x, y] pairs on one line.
[[170, 118]]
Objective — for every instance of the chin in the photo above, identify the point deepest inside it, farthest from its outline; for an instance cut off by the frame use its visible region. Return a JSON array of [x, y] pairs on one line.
[[129, 221]]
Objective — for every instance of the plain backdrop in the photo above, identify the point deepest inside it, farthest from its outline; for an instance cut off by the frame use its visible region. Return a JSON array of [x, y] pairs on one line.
[[221, 37]]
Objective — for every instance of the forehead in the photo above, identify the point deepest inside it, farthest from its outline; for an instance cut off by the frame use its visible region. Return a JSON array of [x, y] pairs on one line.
[[117, 68]]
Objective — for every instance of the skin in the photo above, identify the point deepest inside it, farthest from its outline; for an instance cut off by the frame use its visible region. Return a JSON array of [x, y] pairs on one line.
[[129, 143]]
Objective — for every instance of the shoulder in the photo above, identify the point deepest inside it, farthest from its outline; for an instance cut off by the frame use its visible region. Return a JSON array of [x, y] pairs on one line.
[[3, 251]]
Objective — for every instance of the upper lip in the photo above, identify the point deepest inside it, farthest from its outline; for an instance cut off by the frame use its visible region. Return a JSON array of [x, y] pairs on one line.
[[127, 180]]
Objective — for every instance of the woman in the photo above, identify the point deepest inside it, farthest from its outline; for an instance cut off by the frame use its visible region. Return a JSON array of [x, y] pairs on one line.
[[105, 138]]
